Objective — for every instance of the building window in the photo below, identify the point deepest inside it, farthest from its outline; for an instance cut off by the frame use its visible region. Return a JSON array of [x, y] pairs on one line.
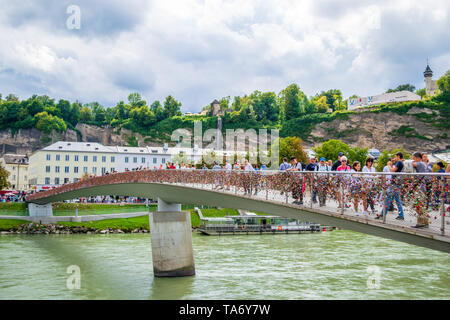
[[112, 169], [47, 168], [47, 180], [75, 169], [103, 158], [56, 180], [85, 169], [163, 160], [75, 179], [76, 157], [126, 159], [66, 180], [14, 177], [66, 169], [67, 157], [58, 157], [56, 169], [113, 159], [154, 160], [135, 159], [94, 169], [143, 160], [85, 158], [103, 170], [94, 158], [48, 157]]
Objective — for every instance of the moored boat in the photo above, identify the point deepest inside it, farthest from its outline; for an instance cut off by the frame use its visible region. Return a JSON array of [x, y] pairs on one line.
[[235, 225]]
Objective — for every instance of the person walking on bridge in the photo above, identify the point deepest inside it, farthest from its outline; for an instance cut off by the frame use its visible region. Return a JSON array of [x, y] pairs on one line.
[[393, 190], [368, 186], [342, 180], [420, 194], [312, 166], [297, 192], [322, 181], [284, 166]]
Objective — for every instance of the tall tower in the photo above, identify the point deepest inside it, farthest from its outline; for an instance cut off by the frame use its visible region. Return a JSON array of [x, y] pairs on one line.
[[429, 83]]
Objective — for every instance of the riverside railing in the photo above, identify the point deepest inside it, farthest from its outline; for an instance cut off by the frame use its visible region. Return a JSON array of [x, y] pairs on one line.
[[422, 196]]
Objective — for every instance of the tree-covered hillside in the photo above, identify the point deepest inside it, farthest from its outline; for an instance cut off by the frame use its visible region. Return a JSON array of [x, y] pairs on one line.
[[290, 110]]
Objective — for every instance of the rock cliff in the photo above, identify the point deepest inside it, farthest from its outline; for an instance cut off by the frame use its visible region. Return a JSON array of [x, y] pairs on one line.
[[415, 130]]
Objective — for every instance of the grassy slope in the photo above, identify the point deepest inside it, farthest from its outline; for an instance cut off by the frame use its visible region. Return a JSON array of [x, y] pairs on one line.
[[7, 224], [125, 224]]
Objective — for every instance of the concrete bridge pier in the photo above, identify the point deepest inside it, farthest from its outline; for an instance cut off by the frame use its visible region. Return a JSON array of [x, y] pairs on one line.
[[171, 234]]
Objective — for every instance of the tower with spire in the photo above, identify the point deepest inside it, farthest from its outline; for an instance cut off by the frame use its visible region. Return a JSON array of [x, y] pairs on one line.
[[430, 84]]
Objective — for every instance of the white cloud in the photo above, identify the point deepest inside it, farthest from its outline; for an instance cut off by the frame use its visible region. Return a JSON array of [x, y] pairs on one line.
[[206, 49]]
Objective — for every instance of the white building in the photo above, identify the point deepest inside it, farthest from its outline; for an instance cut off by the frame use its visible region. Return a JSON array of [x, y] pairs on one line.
[[129, 158], [66, 162], [398, 96]]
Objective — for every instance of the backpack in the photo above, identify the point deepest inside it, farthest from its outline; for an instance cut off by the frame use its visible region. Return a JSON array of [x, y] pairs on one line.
[[408, 167]]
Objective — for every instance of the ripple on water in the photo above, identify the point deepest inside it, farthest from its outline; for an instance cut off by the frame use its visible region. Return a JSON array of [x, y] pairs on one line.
[[331, 265]]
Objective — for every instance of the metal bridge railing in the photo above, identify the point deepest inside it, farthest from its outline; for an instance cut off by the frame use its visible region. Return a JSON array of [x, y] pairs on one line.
[[423, 197]]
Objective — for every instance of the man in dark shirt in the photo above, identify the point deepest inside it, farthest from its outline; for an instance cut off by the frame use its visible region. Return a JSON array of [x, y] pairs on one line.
[[311, 165], [338, 162]]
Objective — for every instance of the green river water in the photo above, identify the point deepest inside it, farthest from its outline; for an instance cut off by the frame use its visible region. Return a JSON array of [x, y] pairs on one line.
[[330, 265]]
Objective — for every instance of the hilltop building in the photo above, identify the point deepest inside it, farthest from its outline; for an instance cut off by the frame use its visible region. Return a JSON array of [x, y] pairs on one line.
[[430, 84], [398, 96]]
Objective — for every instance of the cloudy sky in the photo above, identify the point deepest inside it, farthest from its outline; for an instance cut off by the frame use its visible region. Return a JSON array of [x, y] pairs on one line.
[[199, 50]]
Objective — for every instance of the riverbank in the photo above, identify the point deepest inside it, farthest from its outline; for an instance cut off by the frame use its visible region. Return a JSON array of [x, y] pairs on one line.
[[121, 225], [125, 225], [69, 209]]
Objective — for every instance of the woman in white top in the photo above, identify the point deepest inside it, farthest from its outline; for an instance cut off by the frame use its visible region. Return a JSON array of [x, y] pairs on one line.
[[368, 186]]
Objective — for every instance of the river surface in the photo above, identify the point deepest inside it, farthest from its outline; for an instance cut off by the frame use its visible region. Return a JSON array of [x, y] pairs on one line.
[[331, 265]]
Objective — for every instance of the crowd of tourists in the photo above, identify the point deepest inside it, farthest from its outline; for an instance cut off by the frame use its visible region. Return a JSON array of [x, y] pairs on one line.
[[357, 184], [422, 192]]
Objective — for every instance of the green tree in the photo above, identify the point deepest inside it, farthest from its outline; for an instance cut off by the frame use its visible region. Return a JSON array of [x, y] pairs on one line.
[[4, 174], [11, 97], [135, 100], [291, 147], [158, 110], [64, 108], [143, 117], [86, 114], [357, 154], [48, 123], [321, 104], [331, 95], [444, 82], [331, 148], [98, 112], [75, 113], [171, 107], [422, 92], [403, 87], [386, 155], [338, 105], [290, 102]]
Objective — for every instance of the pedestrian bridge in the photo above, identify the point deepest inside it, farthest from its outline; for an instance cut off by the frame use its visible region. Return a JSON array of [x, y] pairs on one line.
[[271, 192]]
